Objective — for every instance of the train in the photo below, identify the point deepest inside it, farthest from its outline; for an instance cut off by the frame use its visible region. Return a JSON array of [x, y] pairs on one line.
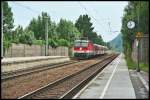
[[84, 48]]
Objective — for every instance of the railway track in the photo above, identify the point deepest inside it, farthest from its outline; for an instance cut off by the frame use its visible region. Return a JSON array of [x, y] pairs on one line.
[[11, 75], [16, 87], [67, 86], [15, 74]]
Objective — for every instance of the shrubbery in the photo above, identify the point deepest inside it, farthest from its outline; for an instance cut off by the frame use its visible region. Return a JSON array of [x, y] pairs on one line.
[[6, 44], [60, 42], [53, 43], [63, 42], [38, 42]]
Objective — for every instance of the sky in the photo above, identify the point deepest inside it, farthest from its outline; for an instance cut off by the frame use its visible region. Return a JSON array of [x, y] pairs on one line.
[[105, 16]]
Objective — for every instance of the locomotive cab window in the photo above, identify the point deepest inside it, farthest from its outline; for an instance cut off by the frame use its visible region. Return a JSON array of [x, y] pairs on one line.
[[77, 44], [81, 44], [84, 44]]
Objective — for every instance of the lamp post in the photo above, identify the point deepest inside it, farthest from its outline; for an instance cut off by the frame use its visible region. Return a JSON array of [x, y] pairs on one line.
[[138, 67], [46, 36], [2, 31]]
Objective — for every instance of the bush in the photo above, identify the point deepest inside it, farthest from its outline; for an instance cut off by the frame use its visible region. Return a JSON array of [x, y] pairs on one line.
[[144, 67], [39, 42], [16, 41], [6, 44], [133, 65], [63, 42], [27, 37], [130, 63], [53, 43]]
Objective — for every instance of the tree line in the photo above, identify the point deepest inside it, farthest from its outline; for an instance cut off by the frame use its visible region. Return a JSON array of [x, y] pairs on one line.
[[59, 34]]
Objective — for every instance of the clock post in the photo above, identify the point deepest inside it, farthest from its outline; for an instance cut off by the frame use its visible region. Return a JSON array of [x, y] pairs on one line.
[[131, 25], [138, 37]]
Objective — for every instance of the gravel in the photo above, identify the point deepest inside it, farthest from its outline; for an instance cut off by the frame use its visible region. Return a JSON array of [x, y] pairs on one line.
[[19, 86]]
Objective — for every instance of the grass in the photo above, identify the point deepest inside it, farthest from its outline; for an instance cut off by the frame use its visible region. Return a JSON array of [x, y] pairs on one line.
[[132, 65], [144, 67]]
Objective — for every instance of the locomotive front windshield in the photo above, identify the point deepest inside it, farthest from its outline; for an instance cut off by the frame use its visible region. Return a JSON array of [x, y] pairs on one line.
[[81, 44]]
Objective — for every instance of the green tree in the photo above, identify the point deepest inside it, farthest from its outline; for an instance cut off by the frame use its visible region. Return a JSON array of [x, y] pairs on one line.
[[84, 25], [96, 39], [17, 33], [38, 26], [7, 20], [67, 30], [27, 37], [131, 12], [63, 42], [52, 31], [7, 24]]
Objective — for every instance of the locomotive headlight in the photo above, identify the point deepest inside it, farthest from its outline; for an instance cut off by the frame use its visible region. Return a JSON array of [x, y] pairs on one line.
[[80, 48]]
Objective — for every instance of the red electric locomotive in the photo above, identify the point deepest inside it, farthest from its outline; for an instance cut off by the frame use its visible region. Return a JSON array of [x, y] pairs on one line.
[[84, 48]]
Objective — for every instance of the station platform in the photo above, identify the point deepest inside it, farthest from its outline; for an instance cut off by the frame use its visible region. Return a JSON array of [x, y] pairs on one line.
[[113, 82], [19, 63], [26, 59]]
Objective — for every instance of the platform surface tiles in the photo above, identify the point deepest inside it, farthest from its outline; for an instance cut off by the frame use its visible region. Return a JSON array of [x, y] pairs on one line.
[[113, 82]]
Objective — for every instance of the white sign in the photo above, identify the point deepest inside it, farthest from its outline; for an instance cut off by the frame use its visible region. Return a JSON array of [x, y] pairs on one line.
[[137, 43], [131, 24]]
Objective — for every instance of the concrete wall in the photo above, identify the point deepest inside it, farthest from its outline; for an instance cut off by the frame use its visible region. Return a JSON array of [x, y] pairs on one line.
[[23, 50], [143, 50]]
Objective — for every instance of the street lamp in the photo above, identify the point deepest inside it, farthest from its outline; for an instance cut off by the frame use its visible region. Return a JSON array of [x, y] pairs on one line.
[[46, 36], [138, 67], [2, 31]]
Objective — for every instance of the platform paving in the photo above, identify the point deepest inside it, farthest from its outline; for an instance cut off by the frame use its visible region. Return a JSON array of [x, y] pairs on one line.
[[22, 63], [22, 59], [140, 84], [113, 82]]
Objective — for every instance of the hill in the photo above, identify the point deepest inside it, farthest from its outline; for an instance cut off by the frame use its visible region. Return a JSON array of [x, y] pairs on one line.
[[116, 43]]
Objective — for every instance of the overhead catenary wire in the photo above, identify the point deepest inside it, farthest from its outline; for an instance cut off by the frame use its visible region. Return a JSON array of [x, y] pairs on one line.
[[30, 9], [109, 27], [101, 25], [35, 11], [97, 20], [109, 24], [46, 29]]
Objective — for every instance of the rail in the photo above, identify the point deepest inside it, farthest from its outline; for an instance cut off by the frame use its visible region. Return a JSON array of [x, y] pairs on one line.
[[57, 83]]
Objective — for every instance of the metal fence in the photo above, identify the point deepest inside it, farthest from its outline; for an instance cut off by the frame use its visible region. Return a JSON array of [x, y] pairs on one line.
[[23, 50]]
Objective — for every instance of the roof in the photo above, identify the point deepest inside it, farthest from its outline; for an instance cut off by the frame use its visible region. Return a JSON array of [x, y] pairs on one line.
[[82, 41], [100, 46]]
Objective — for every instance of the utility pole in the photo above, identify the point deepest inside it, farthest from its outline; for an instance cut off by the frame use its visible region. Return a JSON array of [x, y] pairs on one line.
[[109, 27], [46, 36], [138, 68], [2, 31]]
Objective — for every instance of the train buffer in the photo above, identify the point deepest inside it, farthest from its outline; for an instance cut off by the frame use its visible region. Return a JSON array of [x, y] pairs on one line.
[[113, 82]]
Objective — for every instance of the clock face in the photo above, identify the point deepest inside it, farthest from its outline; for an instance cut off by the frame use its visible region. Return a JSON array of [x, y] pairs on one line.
[[130, 24]]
